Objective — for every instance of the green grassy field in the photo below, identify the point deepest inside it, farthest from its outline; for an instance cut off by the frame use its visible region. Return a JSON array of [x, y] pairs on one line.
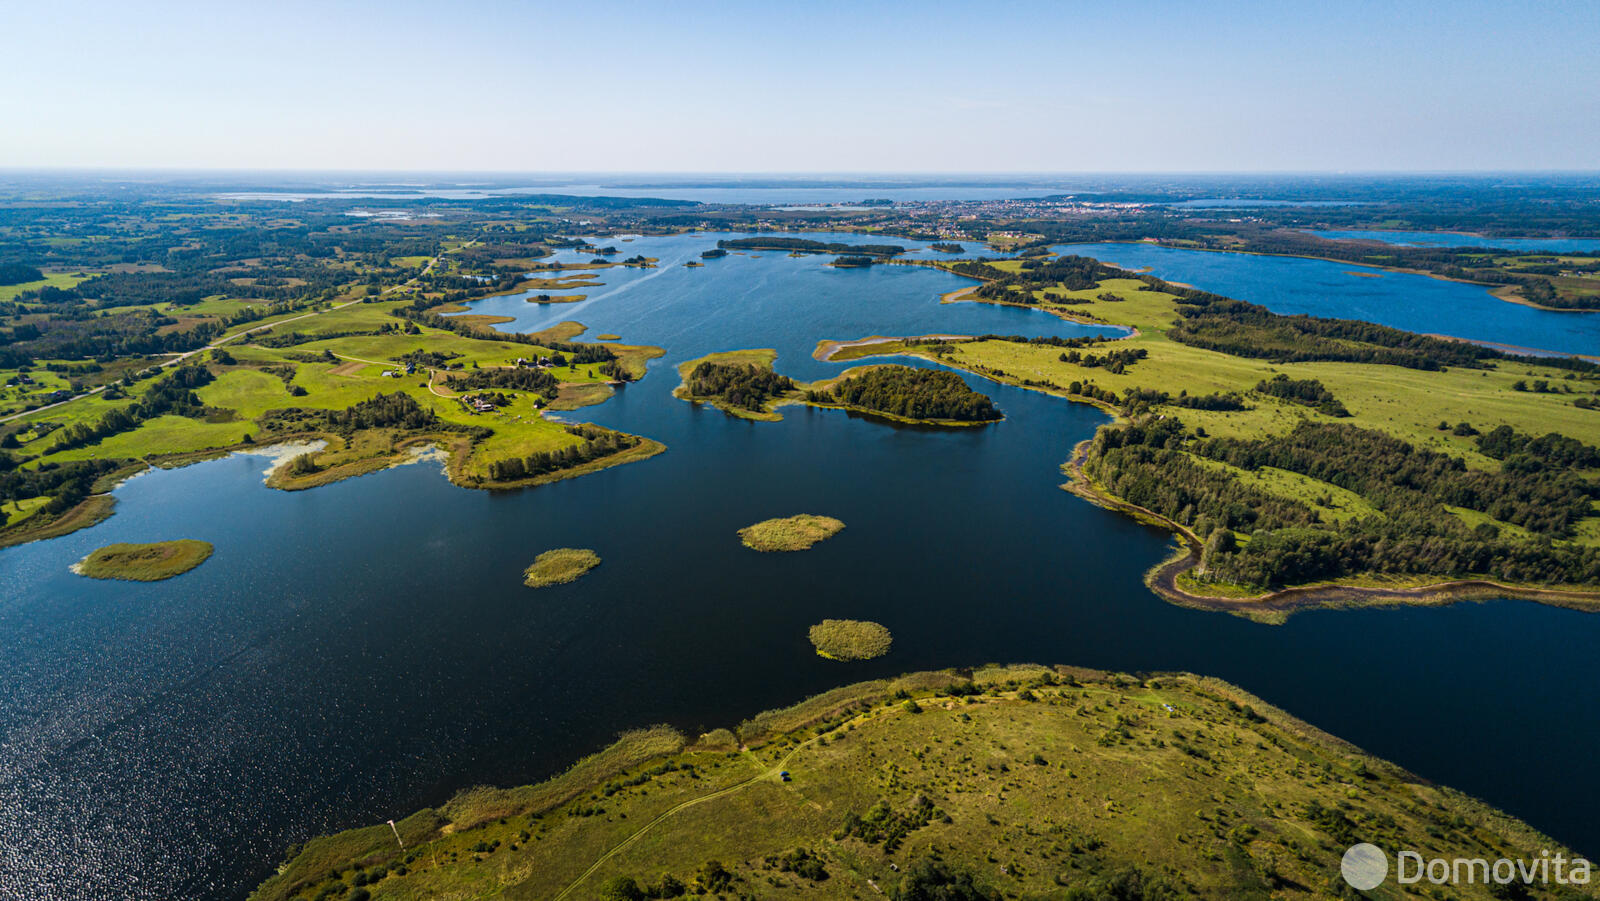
[[1030, 781], [60, 280], [334, 373]]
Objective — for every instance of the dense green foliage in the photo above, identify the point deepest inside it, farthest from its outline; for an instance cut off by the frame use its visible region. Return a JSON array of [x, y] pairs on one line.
[[1070, 272], [742, 385], [1522, 451], [519, 378], [66, 484], [18, 274], [1153, 463], [1247, 330], [911, 393], [1307, 392]]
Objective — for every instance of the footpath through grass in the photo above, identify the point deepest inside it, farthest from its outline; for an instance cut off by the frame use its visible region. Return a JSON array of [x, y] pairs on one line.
[[1026, 781]]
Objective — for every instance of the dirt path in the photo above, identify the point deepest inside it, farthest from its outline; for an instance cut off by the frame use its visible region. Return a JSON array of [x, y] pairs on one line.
[[770, 773]]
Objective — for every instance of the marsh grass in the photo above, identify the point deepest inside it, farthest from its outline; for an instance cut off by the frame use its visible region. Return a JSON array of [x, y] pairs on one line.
[[145, 562], [850, 639], [790, 533], [560, 566]]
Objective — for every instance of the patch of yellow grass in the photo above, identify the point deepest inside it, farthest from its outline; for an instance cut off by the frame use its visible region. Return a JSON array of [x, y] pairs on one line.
[[560, 566], [145, 562], [790, 533], [850, 639]]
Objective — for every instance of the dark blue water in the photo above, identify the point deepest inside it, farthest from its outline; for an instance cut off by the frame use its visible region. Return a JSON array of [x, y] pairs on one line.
[[354, 652], [1459, 239], [1415, 303]]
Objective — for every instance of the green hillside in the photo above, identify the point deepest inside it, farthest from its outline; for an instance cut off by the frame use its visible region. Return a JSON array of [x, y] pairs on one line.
[[1007, 782]]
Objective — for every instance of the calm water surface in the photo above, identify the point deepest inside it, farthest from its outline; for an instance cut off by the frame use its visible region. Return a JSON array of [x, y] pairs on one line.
[[1415, 303], [357, 651], [1459, 239]]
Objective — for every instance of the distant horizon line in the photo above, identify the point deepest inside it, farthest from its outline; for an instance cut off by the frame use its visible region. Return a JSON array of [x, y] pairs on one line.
[[776, 173]]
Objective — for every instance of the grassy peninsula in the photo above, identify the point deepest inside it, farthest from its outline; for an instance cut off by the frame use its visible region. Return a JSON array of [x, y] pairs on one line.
[[1023, 781], [850, 639], [560, 566], [1291, 452], [790, 533], [145, 562]]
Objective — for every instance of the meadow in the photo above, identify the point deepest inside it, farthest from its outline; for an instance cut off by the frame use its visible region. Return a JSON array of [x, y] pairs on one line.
[[1026, 781]]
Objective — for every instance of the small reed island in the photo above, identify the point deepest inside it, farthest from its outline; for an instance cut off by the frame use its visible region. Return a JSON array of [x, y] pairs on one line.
[[790, 533], [850, 639], [144, 562], [560, 566]]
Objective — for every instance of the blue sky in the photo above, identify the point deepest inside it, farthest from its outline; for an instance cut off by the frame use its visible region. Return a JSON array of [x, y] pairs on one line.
[[812, 87]]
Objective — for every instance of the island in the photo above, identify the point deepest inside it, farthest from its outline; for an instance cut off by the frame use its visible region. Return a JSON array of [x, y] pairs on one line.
[[906, 394], [742, 383], [850, 639], [790, 533], [560, 566], [144, 562], [1029, 780]]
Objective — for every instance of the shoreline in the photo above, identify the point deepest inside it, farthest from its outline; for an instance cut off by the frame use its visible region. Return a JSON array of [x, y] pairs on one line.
[[1490, 287], [1275, 606]]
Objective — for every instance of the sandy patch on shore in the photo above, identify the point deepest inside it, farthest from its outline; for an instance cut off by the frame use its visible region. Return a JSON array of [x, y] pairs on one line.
[[279, 454]]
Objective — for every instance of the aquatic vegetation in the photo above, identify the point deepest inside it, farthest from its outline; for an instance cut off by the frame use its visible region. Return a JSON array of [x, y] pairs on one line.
[[145, 562], [790, 533], [850, 639], [560, 566]]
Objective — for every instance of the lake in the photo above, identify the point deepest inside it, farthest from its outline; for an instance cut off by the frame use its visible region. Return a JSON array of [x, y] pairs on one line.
[[1460, 239], [1415, 303], [357, 651]]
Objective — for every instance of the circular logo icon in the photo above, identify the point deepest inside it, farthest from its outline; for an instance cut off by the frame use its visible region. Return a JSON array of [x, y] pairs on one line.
[[1364, 867]]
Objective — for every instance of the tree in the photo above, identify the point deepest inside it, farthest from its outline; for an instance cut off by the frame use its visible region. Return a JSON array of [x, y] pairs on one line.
[[621, 888], [1220, 542]]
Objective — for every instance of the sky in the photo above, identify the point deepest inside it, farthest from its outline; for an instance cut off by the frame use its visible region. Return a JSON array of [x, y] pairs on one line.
[[802, 86]]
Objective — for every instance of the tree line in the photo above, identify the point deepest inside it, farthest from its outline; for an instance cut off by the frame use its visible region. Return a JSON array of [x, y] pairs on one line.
[[1154, 463], [743, 385], [597, 444], [911, 393]]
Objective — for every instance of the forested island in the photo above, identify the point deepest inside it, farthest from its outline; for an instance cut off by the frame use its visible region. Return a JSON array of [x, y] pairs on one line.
[[908, 392], [743, 383]]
